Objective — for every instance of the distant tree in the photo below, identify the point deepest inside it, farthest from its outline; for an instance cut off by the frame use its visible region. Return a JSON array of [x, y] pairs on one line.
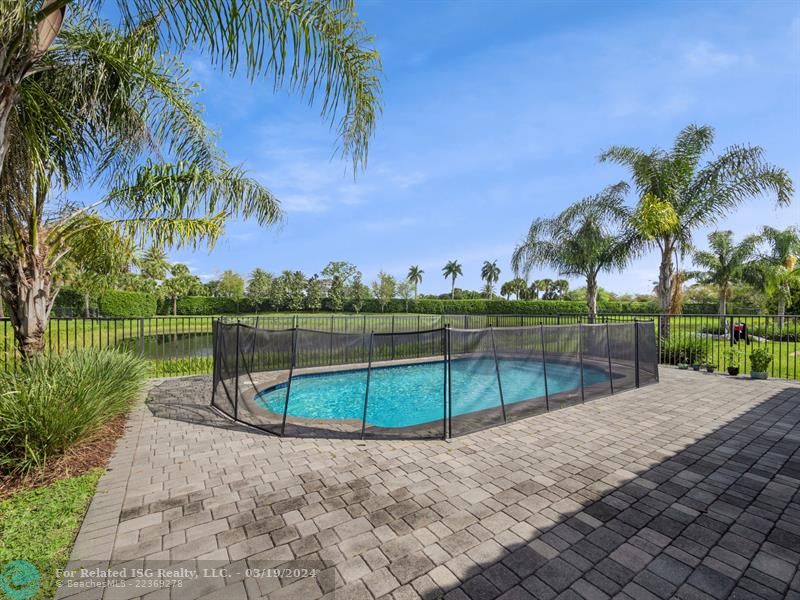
[[291, 287], [212, 288], [231, 285], [517, 286], [313, 299], [180, 284], [415, 277], [490, 273], [384, 288], [452, 270], [405, 290], [99, 256], [259, 287], [336, 294], [153, 264], [677, 194], [584, 239], [359, 293], [775, 270], [723, 265]]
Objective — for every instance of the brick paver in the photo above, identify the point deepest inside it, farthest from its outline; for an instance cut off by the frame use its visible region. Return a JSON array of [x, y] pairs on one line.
[[688, 489]]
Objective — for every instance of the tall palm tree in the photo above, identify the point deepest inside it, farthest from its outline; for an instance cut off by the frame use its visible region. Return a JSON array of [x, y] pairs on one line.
[[490, 273], [723, 264], [583, 240], [775, 266], [314, 47], [452, 270], [104, 104], [677, 194], [153, 263], [415, 277]]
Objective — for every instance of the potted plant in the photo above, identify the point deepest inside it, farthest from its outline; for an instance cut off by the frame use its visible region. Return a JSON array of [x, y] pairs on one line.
[[683, 366], [732, 358], [759, 363], [696, 365], [710, 367]]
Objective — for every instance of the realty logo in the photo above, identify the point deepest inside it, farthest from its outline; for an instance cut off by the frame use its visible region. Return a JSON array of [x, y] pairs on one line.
[[19, 579]]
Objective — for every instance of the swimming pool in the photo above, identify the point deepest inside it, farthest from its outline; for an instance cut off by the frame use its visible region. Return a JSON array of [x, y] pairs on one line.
[[412, 394]]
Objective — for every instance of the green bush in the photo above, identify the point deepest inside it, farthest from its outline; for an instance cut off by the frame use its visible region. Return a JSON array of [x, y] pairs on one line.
[[689, 351], [210, 305], [52, 402], [760, 358], [504, 307], [117, 303], [69, 300]]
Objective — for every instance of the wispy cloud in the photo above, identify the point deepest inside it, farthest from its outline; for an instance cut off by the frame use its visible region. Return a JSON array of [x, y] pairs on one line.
[[706, 58]]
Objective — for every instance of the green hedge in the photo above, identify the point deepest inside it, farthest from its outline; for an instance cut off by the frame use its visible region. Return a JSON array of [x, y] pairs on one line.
[[69, 300], [116, 303], [500, 307], [209, 305]]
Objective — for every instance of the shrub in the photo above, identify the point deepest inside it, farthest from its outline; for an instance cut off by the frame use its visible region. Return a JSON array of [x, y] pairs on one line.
[[690, 351], [52, 402], [760, 359], [69, 301], [118, 303], [436, 306], [209, 305]]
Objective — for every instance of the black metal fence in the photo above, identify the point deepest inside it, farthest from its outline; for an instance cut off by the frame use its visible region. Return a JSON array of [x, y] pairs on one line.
[[183, 345], [432, 383]]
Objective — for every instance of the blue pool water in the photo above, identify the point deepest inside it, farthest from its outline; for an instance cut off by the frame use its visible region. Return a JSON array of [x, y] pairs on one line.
[[405, 395]]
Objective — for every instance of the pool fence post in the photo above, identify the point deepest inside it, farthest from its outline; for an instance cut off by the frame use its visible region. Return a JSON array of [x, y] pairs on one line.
[[236, 382], [608, 351], [636, 350], [497, 372], [214, 361], [544, 371], [449, 350], [366, 393], [580, 358], [444, 384], [289, 382], [330, 344], [393, 337]]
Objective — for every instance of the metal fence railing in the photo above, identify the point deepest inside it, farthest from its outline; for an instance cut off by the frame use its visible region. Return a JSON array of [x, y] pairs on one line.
[[182, 345], [433, 383]]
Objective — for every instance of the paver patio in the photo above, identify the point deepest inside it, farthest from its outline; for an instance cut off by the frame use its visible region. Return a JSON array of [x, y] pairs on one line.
[[689, 488]]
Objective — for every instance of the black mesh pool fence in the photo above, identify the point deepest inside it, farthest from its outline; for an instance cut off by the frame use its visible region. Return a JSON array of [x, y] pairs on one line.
[[435, 383]]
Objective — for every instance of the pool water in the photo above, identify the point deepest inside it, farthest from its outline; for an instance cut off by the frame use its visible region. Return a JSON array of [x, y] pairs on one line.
[[405, 395]]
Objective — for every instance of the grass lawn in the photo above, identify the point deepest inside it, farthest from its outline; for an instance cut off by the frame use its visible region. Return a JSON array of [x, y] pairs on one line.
[[39, 525]]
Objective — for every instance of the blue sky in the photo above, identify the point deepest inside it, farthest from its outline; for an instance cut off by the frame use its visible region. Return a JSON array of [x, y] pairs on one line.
[[494, 114]]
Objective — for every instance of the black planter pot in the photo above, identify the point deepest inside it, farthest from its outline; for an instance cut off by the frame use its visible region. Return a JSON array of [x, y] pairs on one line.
[[710, 369], [733, 371], [696, 367]]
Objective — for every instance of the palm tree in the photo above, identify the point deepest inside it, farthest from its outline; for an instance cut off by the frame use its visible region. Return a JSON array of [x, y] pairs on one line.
[[452, 270], [103, 104], [490, 273], [723, 264], [154, 264], [775, 268], [581, 241], [677, 195], [318, 48], [415, 277]]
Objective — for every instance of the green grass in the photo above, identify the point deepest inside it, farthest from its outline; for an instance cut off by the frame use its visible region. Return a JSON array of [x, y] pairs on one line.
[[39, 525]]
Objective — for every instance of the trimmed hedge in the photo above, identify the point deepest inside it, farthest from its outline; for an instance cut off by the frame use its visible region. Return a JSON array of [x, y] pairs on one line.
[[69, 300], [500, 307], [208, 305], [116, 303]]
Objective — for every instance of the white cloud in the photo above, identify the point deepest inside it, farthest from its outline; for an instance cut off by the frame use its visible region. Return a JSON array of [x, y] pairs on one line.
[[705, 57]]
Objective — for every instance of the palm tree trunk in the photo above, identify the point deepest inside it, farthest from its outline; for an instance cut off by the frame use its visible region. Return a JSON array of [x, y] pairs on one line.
[[723, 309], [453, 288], [664, 286], [30, 299], [174, 306], [7, 94], [591, 297], [781, 311], [86, 302], [415, 291]]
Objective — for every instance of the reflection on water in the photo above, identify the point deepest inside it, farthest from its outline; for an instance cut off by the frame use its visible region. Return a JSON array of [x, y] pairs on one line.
[[170, 345]]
